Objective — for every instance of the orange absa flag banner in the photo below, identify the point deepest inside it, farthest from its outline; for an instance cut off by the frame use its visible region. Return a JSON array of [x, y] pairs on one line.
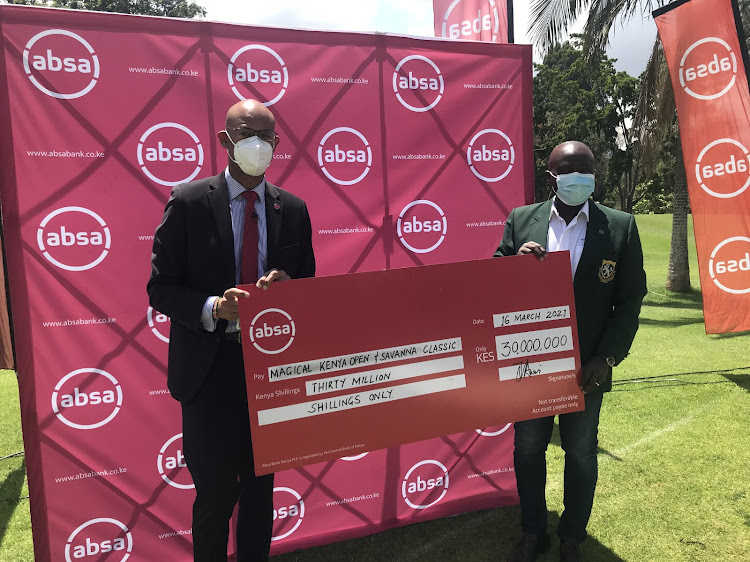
[[474, 20], [705, 58]]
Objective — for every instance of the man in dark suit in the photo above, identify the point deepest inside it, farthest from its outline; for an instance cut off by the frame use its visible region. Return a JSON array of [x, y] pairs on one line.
[[215, 234], [609, 286]]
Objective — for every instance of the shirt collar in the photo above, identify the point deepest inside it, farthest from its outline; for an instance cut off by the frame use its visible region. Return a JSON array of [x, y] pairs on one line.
[[236, 189], [583, 211]]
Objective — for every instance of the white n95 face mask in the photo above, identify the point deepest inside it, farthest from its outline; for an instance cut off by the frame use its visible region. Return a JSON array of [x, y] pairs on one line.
[[252, 155]]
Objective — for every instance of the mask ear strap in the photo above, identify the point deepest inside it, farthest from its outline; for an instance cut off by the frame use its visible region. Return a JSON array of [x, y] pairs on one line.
[[230, 138], [233, 144]]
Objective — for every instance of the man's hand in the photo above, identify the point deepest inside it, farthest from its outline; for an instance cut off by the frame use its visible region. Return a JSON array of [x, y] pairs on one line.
[[270, 277], [228, 306], [533, 248], [594, 373]]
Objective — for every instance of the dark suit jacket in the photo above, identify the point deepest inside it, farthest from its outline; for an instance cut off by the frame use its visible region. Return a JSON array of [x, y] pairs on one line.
[[608, 299], [193, 259]]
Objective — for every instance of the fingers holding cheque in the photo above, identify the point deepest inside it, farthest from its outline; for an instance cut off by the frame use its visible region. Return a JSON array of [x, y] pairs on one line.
[[271, 276], [533, 248], [227, 307]]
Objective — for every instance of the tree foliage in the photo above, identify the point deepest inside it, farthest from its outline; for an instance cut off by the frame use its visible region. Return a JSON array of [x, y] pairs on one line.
[[592, 103], [168, 8]]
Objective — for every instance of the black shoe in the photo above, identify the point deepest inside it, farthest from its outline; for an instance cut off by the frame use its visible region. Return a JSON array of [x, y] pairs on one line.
[[570, 551], [528, 548]]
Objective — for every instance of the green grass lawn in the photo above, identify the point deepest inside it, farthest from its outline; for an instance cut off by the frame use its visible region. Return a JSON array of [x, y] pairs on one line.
[[15, 522], [674, 480]]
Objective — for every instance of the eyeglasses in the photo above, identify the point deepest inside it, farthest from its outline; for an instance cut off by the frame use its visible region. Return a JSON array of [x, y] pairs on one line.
[[265, 135]]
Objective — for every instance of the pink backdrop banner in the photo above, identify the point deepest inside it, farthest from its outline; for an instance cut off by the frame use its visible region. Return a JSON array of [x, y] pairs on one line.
[[407, 152]]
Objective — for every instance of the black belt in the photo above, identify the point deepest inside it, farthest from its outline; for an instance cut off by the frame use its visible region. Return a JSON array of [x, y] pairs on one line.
[[234, 337]]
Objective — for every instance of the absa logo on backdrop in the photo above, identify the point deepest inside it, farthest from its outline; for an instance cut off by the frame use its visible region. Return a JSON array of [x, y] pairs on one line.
[[159, 324], [425, 484], [418, 83], [74, 238], [87, 398], [344, 156], [487, 19], [723, 168], [288, 512], [258, 72], [729, 265], [172, 466], [169, 154], [99, 539], [487, 433], [61, 64], [708, 69], [422, 226], [491, 155], [272, 331]]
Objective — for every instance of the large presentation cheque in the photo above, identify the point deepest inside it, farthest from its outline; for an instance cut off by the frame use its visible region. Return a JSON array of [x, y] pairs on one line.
[[337, 366]]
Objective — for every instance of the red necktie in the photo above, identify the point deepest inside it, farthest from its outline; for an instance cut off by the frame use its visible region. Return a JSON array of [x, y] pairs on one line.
[[249, 262]]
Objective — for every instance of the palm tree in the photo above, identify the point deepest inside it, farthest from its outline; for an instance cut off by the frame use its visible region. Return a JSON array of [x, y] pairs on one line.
[[655, 114]]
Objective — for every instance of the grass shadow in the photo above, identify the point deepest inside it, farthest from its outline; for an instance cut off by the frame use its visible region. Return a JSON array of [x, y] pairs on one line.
[[729, 335], [693, 300], [670, 323], [472, 537], [10, 495], [741, 380], [555, 440], [486, 535]]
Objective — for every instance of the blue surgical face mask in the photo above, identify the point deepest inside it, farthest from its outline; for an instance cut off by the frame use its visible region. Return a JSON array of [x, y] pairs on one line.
[[575, 188]]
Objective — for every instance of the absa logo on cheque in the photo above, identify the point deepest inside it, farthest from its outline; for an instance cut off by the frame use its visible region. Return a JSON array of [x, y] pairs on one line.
[[60, 63], [272, 331]]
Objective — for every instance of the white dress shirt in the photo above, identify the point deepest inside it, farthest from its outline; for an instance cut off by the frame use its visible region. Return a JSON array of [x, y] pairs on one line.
[[568, 236], [237, 204]]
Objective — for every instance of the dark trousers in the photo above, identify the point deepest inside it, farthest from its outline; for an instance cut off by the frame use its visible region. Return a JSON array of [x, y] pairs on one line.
[[578, 437], [218, 451]]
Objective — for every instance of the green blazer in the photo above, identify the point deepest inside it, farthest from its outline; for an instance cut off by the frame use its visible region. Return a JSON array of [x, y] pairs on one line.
[[609, 284]]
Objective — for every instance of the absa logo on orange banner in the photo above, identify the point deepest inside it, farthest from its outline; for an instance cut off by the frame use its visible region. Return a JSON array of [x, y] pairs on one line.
[[723, 168], [729, 266], [708, 69]]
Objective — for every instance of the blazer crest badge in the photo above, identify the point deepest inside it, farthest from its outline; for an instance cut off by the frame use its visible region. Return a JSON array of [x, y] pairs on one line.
[[607, 271]]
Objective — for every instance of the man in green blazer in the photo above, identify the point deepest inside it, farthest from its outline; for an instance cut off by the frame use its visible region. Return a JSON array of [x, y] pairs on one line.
[[609, 286]]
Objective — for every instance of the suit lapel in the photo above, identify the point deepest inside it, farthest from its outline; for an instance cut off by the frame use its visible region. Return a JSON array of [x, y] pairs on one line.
[[539, 226], [218, 200], [596, 229], [274, 215]]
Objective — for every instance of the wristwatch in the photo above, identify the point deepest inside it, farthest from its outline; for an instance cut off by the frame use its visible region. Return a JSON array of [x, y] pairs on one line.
[[610, 361]]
